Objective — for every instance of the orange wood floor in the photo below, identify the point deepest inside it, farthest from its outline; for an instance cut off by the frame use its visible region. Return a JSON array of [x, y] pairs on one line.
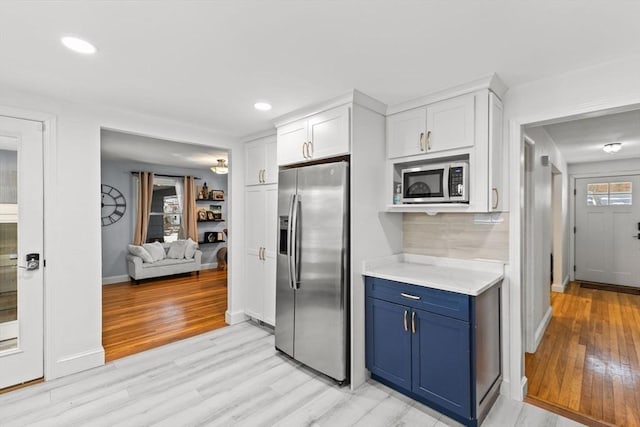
[[136, 318], [588, 360]]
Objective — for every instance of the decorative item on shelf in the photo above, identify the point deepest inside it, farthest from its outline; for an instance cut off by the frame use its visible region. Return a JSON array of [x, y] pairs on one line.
[[202, 215], [213, 237], [221, 168], [217, 194], [210, 216], [199, 195], [217, 212], [114, 205], [205, 191]]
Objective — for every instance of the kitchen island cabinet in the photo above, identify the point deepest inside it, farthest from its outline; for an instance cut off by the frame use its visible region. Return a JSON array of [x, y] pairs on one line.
[[436, 346]]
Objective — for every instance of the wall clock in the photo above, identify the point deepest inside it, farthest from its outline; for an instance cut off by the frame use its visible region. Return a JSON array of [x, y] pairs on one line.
[[114, 205]]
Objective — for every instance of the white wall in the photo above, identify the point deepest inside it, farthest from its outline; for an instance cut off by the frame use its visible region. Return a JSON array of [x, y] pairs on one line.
[[617, 167], [538, 294], [605, 86], [73, 299], [117, 236]]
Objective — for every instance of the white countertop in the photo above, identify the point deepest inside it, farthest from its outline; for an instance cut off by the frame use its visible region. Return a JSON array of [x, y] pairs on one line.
[[470, 277]]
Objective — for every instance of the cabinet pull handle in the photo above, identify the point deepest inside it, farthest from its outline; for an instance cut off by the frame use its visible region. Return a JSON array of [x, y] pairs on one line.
[[428, 140], [409, 296], [304, 153], [404, 319], [264, 172], [260, 176], [260, 253], [421, 145], [310, 149], [497, 199], [413, 322]]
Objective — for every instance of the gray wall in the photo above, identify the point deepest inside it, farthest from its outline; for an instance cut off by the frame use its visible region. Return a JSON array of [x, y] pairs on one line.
[[117, 236]]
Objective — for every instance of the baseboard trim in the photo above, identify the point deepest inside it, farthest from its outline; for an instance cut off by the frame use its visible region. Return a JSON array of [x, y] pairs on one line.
[[542, 327], [560, 287], [235, 317], [566, 412], [115, 279], [209, 266], [78, 362], [524, 386]]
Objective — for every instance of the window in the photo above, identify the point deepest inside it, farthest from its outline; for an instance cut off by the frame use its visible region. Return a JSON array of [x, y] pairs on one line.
[[609, 194], [165, 221]]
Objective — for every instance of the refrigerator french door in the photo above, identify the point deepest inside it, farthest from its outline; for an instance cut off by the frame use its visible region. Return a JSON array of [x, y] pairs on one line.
[[312, 266]]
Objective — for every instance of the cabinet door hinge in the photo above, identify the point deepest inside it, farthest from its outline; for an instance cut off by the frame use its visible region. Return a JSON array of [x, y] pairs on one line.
[[44, 262], [575, 192], [574, 230], [574, 268]]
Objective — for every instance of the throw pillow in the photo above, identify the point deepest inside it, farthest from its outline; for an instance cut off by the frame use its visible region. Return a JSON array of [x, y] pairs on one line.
[[177, 249], [190, 249], [141, 252], [156, 250]]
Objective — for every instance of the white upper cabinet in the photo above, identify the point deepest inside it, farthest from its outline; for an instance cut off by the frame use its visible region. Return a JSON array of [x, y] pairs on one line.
[[441, 126], [406, 132], [261, 163], [497, 159], [322, 135]]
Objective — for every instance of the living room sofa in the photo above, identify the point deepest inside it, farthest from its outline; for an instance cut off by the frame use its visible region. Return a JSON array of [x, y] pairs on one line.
[[138, 269]]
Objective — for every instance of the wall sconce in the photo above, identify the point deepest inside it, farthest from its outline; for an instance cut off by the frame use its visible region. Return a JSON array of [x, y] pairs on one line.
[[611, 148], [221, 168]]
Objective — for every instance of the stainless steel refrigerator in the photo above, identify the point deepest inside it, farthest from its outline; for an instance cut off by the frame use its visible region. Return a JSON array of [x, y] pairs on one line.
[[312, 283]]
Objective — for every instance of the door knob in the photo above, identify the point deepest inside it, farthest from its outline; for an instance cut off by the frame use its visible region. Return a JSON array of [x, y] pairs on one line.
[[33, 262]]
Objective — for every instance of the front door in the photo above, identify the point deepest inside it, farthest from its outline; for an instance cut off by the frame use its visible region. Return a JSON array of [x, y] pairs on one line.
[[21, 243], [607, 230]]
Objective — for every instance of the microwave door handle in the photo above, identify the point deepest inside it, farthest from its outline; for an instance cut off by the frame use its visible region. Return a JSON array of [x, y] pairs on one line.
[[445, 183]]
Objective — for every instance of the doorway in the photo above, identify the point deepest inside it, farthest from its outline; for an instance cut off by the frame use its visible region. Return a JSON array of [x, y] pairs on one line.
[[21, 251]]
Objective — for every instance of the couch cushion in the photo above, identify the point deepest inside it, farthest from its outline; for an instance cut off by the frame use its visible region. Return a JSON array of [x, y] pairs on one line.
[[155, 250], [177, 249], [141, 252], [190, 249], [168, 261]]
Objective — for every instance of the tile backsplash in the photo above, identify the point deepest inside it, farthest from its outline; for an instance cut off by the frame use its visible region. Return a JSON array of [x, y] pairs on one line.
[[455, 235]]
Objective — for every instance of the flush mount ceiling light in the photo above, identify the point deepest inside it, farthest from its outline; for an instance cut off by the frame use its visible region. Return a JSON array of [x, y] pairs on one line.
[[262, 106], [221, 168], [611, 148], [78, 45]]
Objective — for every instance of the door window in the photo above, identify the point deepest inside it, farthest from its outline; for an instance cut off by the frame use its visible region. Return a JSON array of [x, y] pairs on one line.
[[609, 194]]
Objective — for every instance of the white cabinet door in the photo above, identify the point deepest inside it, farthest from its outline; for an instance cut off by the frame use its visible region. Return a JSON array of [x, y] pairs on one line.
[[255, 162], [406, 133], [496, 155], [254, 278], [291, 140], [254, 217], [329, 133], [271, 247], [270, 162], [451, 124]]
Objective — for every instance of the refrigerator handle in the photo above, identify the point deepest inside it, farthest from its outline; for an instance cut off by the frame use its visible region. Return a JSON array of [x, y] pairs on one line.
[[290, 250], [294, 243]]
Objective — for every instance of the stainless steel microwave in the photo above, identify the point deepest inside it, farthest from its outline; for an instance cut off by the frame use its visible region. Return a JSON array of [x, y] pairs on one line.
[[436, 183]]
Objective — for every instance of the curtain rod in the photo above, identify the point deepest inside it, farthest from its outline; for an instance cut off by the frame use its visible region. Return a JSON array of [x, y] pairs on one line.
[[165, 176]]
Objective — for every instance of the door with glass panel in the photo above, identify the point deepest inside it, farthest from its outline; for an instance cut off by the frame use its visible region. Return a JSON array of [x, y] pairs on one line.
[[608, 230], [21, 243]]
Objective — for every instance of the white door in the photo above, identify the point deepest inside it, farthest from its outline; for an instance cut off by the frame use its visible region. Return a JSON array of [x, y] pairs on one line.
[[607, 230], [329, 133], [406, 133], [21, 236], [451, 124]]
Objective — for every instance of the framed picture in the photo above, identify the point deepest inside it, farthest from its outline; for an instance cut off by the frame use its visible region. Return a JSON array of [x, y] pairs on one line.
[[202, 215], [210, 216], [217, 195]]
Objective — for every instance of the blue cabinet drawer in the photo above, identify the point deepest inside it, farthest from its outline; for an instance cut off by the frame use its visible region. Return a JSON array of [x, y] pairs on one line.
[[447, 303]]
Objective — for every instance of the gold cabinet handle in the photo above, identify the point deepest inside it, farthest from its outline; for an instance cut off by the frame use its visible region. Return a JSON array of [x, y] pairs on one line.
[[413, 322], [310, 149], [404, 319], [497, 198], [421, 141], [428, 140]]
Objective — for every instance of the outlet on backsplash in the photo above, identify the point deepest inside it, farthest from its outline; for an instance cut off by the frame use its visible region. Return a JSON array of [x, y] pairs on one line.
[[457, 235]]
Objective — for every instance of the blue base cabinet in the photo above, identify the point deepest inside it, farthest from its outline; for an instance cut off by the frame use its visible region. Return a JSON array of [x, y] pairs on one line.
[[422, 342]]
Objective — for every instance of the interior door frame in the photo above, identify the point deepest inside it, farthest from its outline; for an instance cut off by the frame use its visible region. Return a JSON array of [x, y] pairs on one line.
[[49, 153], [572, 209]]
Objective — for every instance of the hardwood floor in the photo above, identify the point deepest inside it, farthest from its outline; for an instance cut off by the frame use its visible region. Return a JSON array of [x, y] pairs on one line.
[[232, 376], [136, 318], [588, 361]]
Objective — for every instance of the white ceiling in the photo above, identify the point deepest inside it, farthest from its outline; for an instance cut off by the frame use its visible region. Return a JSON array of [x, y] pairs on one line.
[[127, 147], [582, 140], [207, 62]]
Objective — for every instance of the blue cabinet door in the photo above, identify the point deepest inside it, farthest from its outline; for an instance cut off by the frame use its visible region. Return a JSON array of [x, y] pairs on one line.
[[388, 343], [441, 361]]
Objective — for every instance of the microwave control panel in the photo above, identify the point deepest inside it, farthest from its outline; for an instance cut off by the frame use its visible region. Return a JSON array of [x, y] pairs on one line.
[[456, 181]]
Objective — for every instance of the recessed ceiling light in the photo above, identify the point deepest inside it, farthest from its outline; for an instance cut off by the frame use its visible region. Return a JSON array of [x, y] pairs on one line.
[[614, 147], [79, 45], [262, 106]]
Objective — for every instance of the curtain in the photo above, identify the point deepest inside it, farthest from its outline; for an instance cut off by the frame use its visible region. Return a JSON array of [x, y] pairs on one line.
[[145, 195], [189, 214], [179, 184]]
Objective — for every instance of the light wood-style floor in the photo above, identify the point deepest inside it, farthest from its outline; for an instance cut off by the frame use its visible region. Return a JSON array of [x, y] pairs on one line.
[[136, 318], [232, 376], [588, 360]]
